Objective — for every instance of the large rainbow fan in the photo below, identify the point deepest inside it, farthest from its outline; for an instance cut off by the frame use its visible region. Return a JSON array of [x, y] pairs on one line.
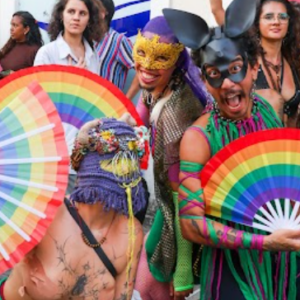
[[79, 95], [33, 172], [255, 180]]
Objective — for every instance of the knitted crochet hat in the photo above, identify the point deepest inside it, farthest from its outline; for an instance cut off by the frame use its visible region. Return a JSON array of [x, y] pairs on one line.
[[106, 157]]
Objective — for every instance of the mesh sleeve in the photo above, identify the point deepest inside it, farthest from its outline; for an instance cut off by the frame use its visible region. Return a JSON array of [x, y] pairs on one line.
[[183, 276]]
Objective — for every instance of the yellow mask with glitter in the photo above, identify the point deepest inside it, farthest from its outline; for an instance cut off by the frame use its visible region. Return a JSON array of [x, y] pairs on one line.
[[153, 55]]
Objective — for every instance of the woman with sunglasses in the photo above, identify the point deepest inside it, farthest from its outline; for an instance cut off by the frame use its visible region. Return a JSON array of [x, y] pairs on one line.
[[278, 37]]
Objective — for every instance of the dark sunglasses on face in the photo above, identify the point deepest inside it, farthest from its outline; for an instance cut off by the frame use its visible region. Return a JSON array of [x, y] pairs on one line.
[[281, 17]]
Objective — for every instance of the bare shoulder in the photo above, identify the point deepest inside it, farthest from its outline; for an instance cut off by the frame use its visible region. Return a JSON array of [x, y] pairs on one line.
[[200, 151], [202, 121]]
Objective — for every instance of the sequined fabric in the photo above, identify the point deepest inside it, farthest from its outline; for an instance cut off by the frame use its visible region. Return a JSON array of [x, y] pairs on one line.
[[182, 109]]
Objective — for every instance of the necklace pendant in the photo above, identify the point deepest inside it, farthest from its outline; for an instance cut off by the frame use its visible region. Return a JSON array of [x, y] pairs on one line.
[[149, 99]]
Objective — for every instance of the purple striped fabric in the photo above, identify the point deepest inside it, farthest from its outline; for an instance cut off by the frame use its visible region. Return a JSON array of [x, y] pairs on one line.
[[115, 55]]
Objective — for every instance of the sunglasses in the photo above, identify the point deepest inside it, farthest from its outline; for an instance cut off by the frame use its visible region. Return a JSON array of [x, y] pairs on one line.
[[281, 17]]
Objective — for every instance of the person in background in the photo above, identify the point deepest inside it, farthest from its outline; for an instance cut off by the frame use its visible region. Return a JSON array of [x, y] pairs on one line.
[[115, 52], [73, 27], [277, 34], [217, 10], [296, 4], [25, 40], [92, 247]]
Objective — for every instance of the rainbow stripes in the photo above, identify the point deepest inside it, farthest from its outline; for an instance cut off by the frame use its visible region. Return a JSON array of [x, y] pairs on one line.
[[250, 172], [78, 94], [33, 172]]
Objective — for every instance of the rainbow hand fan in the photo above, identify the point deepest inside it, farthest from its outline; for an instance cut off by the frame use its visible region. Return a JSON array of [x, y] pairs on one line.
[[33, 172], [79, 95], [255, 180]]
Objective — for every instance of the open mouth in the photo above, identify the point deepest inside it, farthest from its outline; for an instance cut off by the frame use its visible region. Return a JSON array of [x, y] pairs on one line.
[[147, 77], [233, 101]]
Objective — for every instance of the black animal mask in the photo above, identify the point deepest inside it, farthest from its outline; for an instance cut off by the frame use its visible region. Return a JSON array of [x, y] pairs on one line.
[[219, 46]]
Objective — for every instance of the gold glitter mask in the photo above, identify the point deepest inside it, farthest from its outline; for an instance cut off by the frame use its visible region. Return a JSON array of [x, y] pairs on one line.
[[153, 55]]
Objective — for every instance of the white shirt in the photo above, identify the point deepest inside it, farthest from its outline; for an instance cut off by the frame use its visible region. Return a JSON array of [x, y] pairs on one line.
[[58, 52]]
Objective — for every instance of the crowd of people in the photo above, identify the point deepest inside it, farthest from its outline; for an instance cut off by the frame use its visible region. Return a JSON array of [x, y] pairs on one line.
[[240, 77]]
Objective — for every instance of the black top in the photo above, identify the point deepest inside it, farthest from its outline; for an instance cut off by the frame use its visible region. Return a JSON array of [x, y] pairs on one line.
[[290, 106]]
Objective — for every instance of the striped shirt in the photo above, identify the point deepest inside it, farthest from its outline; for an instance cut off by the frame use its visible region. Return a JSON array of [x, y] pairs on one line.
[[115, 55]]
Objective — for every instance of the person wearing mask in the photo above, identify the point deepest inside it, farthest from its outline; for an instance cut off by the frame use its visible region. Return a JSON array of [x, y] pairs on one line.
[[173, 97], [237, 262], [91, 249]]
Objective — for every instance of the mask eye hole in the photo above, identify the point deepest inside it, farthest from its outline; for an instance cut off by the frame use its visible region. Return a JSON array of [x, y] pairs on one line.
[[161, 58], [235, 67], [141, 52], [212, 72]]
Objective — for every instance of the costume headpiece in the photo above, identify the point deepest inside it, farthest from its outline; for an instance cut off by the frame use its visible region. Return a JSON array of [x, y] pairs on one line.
[[219, 46], [151, 48], [106, 157], [159, 27]]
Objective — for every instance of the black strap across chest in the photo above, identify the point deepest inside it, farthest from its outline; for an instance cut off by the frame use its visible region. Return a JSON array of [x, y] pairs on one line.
[[86, 231]]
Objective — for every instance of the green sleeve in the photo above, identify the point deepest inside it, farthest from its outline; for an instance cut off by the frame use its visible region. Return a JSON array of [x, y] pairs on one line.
[[183, 276]]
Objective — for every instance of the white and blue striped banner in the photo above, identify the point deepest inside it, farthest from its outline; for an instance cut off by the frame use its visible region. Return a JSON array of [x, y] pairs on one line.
[[130, 16]]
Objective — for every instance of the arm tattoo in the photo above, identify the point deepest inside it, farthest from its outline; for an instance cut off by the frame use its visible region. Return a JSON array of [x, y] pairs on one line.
[[195, 225], [122, 297], [231, 235]]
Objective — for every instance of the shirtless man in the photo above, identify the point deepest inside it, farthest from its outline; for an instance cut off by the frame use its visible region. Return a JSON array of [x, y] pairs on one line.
[[65, 264]]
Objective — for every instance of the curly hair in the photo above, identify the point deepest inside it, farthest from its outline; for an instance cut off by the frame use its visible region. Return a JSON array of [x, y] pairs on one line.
[[248, 44], [94, 30], [291, 42], [33, 37]]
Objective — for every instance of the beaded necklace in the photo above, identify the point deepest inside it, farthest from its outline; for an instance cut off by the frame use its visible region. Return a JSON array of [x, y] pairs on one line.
[[85, 238], [223, 130], [278, 69]]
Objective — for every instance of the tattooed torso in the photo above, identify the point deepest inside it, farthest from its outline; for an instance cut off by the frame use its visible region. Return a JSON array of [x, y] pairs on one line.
[[62, 267]]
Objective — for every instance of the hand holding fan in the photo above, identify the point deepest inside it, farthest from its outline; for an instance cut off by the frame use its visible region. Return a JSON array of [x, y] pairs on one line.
[[255, 181], [33, 172]]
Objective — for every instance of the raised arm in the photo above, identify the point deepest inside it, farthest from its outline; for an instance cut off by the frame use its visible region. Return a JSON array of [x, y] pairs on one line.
[[196, 227], [218, 11]]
